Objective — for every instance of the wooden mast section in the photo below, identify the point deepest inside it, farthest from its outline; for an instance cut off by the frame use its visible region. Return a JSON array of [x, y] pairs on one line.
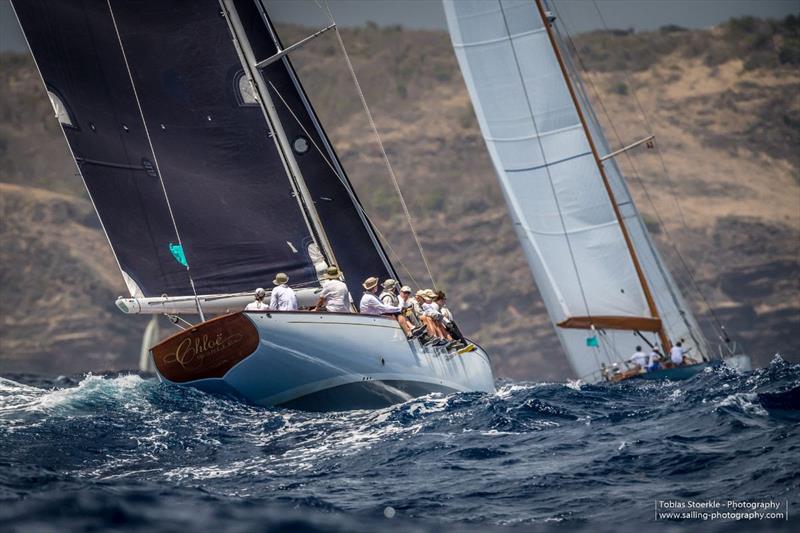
[[651, 304]]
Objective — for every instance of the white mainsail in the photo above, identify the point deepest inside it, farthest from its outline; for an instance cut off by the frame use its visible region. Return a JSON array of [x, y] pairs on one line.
[[560, 207]]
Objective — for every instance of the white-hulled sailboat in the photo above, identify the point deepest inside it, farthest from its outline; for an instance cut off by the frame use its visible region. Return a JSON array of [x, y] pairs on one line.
[[210, 173], [603, 282]]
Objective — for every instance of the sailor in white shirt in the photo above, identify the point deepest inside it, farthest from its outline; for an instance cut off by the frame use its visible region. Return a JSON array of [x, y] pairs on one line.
[[334, 298], [676, 354], [370, 305], [639, 358], [407, 301], [430, 309], [283, 297], [258, 304]]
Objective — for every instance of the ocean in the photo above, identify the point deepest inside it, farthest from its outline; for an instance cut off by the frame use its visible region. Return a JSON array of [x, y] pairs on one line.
[[124, 452]]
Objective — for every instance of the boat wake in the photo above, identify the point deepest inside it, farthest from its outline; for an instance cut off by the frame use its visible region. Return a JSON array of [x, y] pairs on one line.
[[124, 450]]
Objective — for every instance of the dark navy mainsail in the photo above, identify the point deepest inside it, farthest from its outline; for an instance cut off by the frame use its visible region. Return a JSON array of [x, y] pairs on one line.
[[180, 165]]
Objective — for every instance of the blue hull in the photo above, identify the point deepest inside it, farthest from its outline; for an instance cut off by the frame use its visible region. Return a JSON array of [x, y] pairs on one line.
[[674, 374]]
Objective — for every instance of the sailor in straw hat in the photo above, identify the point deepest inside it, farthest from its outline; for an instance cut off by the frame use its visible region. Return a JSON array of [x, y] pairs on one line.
[[370, 305], [283, 297], [334, 298], [389, 294], [258, 304]]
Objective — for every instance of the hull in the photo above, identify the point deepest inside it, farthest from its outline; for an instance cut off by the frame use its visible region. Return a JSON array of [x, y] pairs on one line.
[[673, 374], [316, 361]]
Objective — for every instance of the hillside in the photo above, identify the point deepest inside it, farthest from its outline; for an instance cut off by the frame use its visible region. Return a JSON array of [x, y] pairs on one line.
[[723, 103]]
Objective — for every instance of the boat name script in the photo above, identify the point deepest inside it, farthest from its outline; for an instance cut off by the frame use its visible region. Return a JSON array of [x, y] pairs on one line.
[[194, 350]]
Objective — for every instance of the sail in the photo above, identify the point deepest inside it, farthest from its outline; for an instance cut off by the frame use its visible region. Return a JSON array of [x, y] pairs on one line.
[[561, 211], [177, 156]]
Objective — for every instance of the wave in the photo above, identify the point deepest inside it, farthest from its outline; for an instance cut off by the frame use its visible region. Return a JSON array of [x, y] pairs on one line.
[[533, 453]]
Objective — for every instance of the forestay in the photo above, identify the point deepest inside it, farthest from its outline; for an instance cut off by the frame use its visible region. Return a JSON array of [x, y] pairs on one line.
[[562, 213], [175, 149]]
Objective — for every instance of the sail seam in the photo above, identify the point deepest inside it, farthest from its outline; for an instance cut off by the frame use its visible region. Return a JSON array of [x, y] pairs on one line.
[[155, 157], [499, 39], [534, 136], [547, 165], [568, 232]]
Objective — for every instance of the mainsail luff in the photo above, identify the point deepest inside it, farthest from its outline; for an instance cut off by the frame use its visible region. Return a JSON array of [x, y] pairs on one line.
[[329, 153], [255, 76], [665, 342]]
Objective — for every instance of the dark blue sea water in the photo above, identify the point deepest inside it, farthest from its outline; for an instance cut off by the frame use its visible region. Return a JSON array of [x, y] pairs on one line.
[[125, 452]]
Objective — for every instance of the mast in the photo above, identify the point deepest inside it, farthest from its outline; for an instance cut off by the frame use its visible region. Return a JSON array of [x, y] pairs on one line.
[[250, 63], [606, 183], [331, 155]]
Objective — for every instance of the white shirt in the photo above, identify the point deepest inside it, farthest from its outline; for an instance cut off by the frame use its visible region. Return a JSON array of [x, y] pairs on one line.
[[256, 305], [676, 355], [337, 298], [639, 358], [431, 309], [283, 299], [406, 302], [654, 358], [370, 305], [446, 314]]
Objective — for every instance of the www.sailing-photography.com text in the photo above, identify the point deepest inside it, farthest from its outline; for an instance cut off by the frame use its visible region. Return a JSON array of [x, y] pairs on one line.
[[734, 510]]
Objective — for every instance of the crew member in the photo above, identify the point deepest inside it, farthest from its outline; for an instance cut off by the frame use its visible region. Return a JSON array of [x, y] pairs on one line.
[[654, 362], [258, 304], [334, 298], [370, 305], [676, 354], [283, 297], [639, 358], [447, 317], [406, 301], [389, 294]]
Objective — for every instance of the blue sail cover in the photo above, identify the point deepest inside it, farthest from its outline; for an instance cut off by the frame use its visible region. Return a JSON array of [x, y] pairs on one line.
[[209, 156]]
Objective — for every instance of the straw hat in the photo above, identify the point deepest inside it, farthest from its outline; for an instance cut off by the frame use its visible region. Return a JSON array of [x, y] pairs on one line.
[[280, 279], [430, 293], [260, 293], [389, 284], [370, 283], [405, 288], [332, 273], [420, 293]]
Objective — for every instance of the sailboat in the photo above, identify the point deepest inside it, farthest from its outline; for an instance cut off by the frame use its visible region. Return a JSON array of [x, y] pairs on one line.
[[604, 284], [210, 173]]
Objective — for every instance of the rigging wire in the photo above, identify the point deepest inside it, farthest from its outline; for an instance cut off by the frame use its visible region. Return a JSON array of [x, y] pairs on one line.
[[342, 180], [155, 158], [379, 141], [718, 326]]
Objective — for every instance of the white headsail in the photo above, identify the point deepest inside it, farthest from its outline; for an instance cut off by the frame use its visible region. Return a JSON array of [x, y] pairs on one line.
[[559, 204]]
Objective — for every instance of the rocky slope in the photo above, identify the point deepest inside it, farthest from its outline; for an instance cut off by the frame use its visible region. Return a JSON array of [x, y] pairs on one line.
[[723, 104]]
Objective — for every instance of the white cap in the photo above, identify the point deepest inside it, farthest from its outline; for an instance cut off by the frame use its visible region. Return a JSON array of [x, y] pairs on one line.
[[260, 293]]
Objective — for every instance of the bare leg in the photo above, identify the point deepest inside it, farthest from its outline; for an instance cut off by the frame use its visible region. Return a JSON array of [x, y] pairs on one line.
[[404, 324]]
